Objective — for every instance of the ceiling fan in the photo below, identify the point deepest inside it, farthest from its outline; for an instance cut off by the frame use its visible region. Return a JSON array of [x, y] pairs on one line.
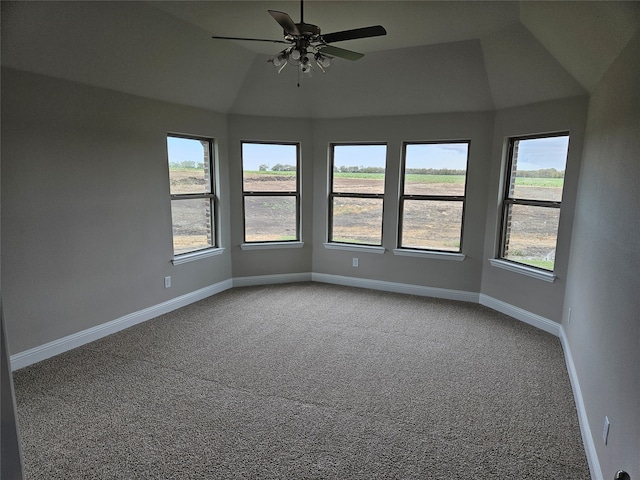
[[305, 41]]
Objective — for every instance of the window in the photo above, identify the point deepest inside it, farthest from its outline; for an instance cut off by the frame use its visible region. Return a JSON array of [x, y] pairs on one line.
[[532, 199], [432, 200], [357, 193], [193, 199], [271, 191]]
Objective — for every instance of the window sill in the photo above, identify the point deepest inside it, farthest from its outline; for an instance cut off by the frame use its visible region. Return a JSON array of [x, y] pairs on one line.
[[270, 245], [193, 256], [523, 270], [355, 248], [408, 252]]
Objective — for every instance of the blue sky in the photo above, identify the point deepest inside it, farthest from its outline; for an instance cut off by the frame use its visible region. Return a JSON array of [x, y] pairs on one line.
[[538, 153], [437, 155], [184, 149], [256, 154], [533, 154], [360, 155]]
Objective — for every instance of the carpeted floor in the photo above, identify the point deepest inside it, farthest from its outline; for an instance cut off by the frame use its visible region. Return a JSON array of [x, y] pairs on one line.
[[306, 381]]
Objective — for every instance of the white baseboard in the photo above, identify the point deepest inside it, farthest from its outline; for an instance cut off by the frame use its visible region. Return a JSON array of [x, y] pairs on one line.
[[585, 429], [518, 313], [396, 287], [56, 347], [271, 279]]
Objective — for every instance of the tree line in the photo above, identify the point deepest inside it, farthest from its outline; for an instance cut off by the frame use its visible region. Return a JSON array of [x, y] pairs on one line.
[[541, 173], [279, 167], [187, 164], [413, 171]]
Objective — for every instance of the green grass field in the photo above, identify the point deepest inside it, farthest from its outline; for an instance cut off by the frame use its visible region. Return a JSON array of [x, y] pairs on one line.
[[417, 178], [412, 178], [260, 172]]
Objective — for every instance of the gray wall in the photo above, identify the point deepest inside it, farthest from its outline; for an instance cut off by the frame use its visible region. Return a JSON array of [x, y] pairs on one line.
[[603, 288], [87, 215], [455, 275], [531, 294], [85, 206], [10, 455], [278, 261]]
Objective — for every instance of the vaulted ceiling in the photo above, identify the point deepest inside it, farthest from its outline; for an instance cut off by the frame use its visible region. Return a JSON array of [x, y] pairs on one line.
[[436, 56]]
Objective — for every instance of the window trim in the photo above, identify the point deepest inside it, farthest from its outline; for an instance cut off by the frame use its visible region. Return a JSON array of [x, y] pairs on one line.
[[333, 195], [271, 245], [429, 252], [197, 255], [212, 195], [528, 270], [506, 263], [246, 244]]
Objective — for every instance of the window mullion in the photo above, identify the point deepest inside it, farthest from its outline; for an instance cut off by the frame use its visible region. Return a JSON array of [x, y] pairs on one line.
[[446, 198], [187, 196], [357, 195], [270, 194], [533, 203]]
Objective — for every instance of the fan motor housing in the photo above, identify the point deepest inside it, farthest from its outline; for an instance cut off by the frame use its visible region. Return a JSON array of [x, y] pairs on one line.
[[306, 30]]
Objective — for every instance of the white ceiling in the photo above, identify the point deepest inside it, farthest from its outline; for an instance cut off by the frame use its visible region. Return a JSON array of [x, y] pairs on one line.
[[436, 56]]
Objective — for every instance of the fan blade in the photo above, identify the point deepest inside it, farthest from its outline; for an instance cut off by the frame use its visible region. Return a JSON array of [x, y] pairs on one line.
[[354, 34], [340, 52], [285, 22], [250, 39]]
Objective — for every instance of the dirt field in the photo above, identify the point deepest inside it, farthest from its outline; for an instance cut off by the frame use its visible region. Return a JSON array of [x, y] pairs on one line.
[[189, 217], [429, 224]]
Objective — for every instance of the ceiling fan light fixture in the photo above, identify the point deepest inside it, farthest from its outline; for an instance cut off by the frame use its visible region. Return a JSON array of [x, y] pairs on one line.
[[284, 64], [322, 60], [280, 60], [295, 54], [305, 66]]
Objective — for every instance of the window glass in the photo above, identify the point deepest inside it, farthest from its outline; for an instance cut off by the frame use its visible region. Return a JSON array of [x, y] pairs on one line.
[[433, 225], [270, 218], [359, 168], [268, 167], [435, 168], [357, 193], [271, 192], [192, 227], [433, 195], [357, 220], [532, 235], [532, 201], [189, 165], [538, 167], [193, 201]]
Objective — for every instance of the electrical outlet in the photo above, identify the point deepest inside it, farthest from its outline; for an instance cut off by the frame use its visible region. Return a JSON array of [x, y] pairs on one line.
[[605, 430], [167, 282], [355, 262]]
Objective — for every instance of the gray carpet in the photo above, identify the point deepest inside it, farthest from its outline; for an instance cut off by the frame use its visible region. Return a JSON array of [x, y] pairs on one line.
[[306, 381]]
